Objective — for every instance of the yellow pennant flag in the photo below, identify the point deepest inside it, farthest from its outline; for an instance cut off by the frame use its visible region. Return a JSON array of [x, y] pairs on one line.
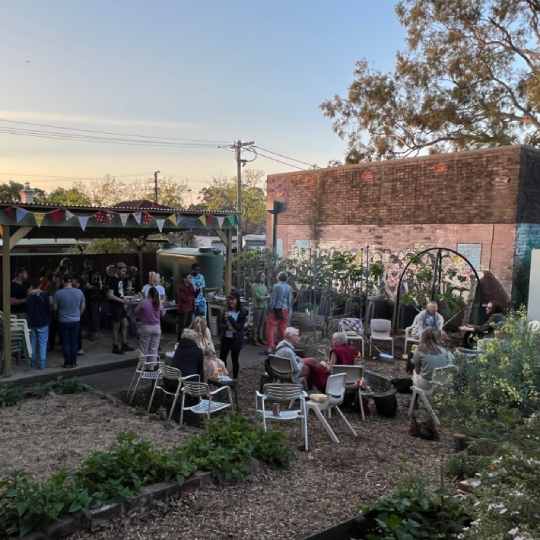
[[39, 217], [172, 218], [202, 219]]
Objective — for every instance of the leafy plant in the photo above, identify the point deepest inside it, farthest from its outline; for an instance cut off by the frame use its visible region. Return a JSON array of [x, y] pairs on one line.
[[60, 386], [463, 465], [10, 396]]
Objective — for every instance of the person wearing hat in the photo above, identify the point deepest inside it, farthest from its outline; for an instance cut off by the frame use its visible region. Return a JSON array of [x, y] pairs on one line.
[[115, 295], [69, 304], [93, 293]]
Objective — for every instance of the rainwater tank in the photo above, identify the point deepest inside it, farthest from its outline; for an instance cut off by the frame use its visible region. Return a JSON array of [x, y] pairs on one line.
[[172, 261]]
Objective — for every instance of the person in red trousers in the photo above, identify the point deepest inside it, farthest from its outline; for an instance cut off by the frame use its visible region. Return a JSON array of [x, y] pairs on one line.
[[279, 306]]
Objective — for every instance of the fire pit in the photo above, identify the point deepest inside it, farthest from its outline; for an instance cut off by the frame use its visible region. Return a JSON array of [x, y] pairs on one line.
[[382, 392]]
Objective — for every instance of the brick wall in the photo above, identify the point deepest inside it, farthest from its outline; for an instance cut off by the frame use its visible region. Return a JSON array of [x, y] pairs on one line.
[[528, 210]]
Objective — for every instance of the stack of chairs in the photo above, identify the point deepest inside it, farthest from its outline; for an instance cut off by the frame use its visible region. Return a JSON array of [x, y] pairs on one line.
[[20, 341]]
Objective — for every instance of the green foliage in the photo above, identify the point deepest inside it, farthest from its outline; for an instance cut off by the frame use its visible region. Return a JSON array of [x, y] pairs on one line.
[[60, 386], [414, 512], [71, 196], [463, 465], [11, 192], [225, 447], [10, 396]]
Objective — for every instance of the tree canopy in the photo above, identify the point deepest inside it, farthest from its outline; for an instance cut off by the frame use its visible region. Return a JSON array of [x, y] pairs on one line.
[[469, 78], [222, 194]]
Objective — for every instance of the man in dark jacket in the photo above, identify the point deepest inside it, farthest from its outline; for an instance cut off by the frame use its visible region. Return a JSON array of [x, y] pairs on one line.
[[473, 333], [92, 285], [38, 306]]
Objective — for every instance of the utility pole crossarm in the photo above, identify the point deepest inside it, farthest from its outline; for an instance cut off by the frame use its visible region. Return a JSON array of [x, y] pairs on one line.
[[239, 164]]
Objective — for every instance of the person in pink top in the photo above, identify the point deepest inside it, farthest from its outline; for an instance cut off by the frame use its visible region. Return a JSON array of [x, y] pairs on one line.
[[150, 311]]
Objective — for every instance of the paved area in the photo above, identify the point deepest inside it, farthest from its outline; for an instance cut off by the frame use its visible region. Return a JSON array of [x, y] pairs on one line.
[[102, 369]]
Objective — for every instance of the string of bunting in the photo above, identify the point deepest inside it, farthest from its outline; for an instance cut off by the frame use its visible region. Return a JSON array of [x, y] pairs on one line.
[[105, 217]]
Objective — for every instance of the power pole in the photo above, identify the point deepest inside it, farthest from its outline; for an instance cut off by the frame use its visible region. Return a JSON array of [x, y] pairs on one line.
[[239, 164], [156, 186]]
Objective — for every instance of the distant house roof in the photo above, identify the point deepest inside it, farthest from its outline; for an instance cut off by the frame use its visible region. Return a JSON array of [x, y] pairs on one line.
[[143, 204]]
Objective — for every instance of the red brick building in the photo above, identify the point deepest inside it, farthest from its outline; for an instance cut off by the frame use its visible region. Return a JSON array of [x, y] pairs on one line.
[[484, 204]]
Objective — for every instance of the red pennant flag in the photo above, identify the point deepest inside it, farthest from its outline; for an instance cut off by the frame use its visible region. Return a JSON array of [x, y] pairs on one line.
[[9, 212], [210, 219], [57, 215], [147, 218]]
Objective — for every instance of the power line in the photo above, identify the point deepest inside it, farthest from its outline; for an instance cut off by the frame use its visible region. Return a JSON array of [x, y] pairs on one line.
[[108, 132], [282, 162], [285, 157]]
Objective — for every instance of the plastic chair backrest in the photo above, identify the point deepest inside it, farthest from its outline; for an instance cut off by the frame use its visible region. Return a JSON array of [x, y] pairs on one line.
[[170, 373], [280, 366], [335, 389], [380, 326], [353, 374], [195, 389], [282, 392], [443, 375], [533, 326]]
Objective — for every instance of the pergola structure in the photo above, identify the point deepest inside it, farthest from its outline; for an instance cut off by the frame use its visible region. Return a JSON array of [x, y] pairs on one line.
[[135, 223]]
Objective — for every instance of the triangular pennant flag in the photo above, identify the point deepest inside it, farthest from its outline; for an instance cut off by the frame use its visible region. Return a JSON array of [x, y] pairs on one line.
[[124, 218], [9, 212], [137, 217], [69, 215], [172, 219], [100, 216], [202, 219], [210, 219], [232, 220], [191, 223], [56, 214], [179, 219], [160, 223], [109, 216], [147, 218], [220, 221], [39, 217], [83, 221], [20, 213]]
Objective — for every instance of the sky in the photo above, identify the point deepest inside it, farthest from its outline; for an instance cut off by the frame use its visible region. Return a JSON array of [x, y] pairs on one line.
[[213, 71]]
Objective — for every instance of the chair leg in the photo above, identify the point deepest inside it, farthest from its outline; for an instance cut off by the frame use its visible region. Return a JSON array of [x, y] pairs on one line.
[[361, 405], [430, 409], [151, 398], [131, 383], [326, 425], [175, 400], [351, 429], [363, 352], [182, 408], [135, 389], [393, 355], [413, 401]]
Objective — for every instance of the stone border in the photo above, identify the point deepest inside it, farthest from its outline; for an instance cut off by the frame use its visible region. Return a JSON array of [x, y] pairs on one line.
[[71, 523]]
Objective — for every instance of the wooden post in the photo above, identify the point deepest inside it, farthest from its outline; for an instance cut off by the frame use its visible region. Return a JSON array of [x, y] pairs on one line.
[[6, 291], [227, 239]]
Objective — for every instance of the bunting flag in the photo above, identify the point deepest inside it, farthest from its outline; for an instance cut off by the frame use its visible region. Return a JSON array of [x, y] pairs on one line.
[[179, 219], [147, 218], [104, 217], [20, 213], [83, 222], [9, 212], [137, 217], [210, 219], [233, 220], [56, 214], [191, 223], [39, 217], [172, 219], [220, 221], [202, 219], [69, 215], [124, 218], [160, 223]]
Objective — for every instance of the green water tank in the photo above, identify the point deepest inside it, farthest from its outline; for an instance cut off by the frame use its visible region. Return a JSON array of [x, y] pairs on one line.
[[172, 261]]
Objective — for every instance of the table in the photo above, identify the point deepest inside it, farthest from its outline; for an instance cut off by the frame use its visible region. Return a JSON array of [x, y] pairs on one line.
[[232, 384]]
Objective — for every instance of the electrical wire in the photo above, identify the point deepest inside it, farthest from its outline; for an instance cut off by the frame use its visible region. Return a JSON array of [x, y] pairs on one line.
[[110, 133], [285, 157], [279, 161]]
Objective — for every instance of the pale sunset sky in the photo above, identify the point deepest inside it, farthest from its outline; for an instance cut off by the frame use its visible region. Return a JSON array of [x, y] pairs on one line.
[[211, 71]]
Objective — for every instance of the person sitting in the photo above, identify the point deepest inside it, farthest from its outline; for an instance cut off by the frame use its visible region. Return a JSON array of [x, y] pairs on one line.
[[188, 357], [429, 356], [427, 318], [204, 336], [473, 333], [154, 281], [340, 354], [285, 349]]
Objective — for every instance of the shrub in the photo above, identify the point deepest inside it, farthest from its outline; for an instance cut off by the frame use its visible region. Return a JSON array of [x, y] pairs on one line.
[[60, 386], [10, 396]]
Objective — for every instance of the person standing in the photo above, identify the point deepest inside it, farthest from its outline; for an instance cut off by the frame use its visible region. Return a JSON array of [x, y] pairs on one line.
[[198, 282], [186, 302], [93, 294], [154, 281], [150, 311], [106, 306], [231, 325], [115, 295], [39, 310], [54, 285], [76, 284], [278, 310], [19, 292], [259, 292], [69, 304]]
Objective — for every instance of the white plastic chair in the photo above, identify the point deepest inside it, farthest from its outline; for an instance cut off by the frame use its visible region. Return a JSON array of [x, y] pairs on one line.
[[282, 370], [380, 330], [534, 326], [353, 380], [409, 339], [283, 393], [335, 392], [442, 376], [205, 406], [350, 325], [170, 374], [147, 368]]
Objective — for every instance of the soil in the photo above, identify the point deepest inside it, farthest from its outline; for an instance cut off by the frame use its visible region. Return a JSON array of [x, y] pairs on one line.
[[323, 487]]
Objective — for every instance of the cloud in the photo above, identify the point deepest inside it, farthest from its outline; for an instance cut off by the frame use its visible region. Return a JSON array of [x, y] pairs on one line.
[[38, 117]]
